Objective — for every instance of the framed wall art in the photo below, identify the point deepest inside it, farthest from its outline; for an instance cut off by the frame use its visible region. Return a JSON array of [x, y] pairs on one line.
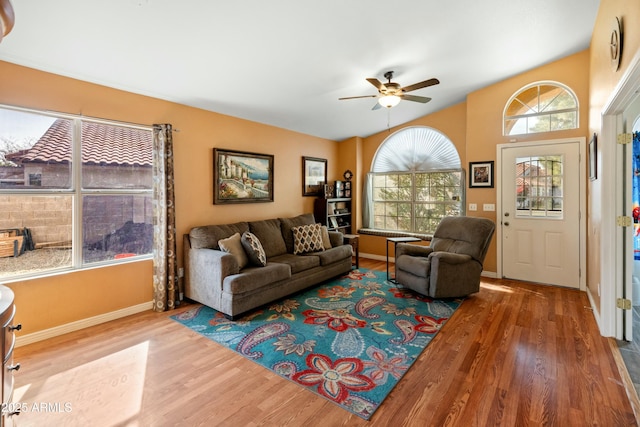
[[314, 176], [242, 177], [481, 174]]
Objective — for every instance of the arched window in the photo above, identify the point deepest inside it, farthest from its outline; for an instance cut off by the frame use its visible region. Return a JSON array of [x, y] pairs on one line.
[[415, 180], [541, 107]]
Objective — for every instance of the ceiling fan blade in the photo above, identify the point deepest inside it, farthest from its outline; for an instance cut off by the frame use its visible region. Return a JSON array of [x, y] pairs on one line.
[[420, 85], [377, 83], [356, 97], [423, 99], [377, 106]]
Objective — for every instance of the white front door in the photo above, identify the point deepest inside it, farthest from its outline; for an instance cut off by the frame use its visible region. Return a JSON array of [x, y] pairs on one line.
[[540, 212]]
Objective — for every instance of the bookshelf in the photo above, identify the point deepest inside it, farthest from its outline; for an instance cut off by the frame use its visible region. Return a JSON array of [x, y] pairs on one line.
[[335, 213]]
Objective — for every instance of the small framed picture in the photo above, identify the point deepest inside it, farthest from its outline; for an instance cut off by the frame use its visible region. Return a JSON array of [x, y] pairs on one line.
[[314, 176], [481, 174]]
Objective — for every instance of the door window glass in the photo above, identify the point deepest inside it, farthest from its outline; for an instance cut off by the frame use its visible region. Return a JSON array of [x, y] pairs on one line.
[[539, 186]]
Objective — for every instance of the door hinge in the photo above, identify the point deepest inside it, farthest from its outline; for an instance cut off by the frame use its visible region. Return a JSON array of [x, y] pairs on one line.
[[624, 138], [623, 303], [623, 221]]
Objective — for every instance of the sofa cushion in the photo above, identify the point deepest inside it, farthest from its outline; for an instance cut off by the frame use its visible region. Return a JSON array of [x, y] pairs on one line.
[[233, 245], [253, 248], [252, 278], [326, 240], [297, 263], [417, 265], [307, 238], [270, 235], [332, 255], [207, 236], [288, 223]]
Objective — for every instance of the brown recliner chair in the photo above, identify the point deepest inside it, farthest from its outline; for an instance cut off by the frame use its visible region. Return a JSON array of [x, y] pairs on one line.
[[450, 266]]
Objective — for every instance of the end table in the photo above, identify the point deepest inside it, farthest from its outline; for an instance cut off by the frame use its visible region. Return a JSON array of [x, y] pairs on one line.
[[352, 239], [395, 241]]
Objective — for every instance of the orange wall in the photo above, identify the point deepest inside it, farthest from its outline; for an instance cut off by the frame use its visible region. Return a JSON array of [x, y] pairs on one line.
[[485, 109], [475, 127], [53, 301], [602, 81]]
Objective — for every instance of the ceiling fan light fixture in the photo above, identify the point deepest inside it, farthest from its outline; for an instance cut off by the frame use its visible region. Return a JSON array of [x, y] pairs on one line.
[[389, 101]]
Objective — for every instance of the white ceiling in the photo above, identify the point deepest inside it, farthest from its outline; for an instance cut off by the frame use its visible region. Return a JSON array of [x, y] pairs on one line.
[[286, 62]]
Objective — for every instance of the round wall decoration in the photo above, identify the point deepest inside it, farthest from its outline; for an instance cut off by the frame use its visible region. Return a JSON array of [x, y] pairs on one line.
[[615, 44]]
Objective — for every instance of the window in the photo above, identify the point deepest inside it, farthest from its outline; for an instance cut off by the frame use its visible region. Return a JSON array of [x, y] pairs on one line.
[[539, 185], [541, 107], [75, 192], [416, 180]]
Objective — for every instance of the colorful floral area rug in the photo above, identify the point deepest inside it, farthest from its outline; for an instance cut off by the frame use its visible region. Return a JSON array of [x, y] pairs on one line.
[[350, 340]]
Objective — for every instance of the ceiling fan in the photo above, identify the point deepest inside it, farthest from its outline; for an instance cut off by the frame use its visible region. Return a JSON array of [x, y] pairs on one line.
[[390, 93], [7, 18]]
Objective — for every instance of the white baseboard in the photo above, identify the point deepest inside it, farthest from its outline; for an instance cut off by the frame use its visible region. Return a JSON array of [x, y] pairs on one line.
[[81, 324], [376, 257], [491, 274]]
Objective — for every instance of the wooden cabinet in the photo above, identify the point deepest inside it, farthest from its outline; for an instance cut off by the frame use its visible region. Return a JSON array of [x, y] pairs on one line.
[[334, 213]]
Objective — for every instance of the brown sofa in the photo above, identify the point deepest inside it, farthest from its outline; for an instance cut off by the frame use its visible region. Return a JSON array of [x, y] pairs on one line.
[[215, 278]]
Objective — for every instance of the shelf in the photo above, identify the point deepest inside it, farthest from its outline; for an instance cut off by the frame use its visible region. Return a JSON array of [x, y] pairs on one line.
[[325, 213]]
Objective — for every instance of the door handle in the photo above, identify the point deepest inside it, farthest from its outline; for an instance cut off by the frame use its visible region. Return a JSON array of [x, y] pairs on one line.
[[506, 223]]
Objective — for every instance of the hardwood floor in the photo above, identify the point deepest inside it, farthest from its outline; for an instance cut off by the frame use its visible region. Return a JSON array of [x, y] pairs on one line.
[[630, 351], [513, 354]]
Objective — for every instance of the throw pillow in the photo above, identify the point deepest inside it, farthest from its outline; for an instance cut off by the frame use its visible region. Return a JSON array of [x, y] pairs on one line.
[[253, 248], [307, 238], [326, 241], [233, 245]]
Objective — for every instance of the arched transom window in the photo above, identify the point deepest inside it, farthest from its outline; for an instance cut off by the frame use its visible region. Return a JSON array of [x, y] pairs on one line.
[[541, 107], [415, 180]]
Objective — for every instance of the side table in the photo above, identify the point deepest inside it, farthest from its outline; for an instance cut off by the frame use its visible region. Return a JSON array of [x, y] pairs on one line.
[[395, 241], [352, 239]]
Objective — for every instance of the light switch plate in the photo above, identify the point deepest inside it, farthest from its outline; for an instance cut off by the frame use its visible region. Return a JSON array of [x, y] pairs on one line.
[[489, 207], [473, 207]]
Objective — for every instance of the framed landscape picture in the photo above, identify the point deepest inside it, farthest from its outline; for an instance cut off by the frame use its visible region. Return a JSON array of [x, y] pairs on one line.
[[242, 177]]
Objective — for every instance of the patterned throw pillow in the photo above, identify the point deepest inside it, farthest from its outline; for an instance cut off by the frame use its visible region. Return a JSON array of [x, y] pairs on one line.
[[307, 238], [233, 245], [253, 248]]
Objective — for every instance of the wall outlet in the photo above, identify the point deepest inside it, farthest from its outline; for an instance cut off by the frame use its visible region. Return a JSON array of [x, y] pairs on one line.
[[473, 207], [489, 207], [180, 272]]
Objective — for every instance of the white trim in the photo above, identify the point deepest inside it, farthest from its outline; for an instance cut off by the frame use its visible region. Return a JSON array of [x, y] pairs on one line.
[[376, 257], [594, 308], [81, 324], [612, 193]]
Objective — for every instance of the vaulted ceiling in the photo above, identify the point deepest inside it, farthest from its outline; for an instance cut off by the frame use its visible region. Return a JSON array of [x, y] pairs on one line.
[[286, 62]]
